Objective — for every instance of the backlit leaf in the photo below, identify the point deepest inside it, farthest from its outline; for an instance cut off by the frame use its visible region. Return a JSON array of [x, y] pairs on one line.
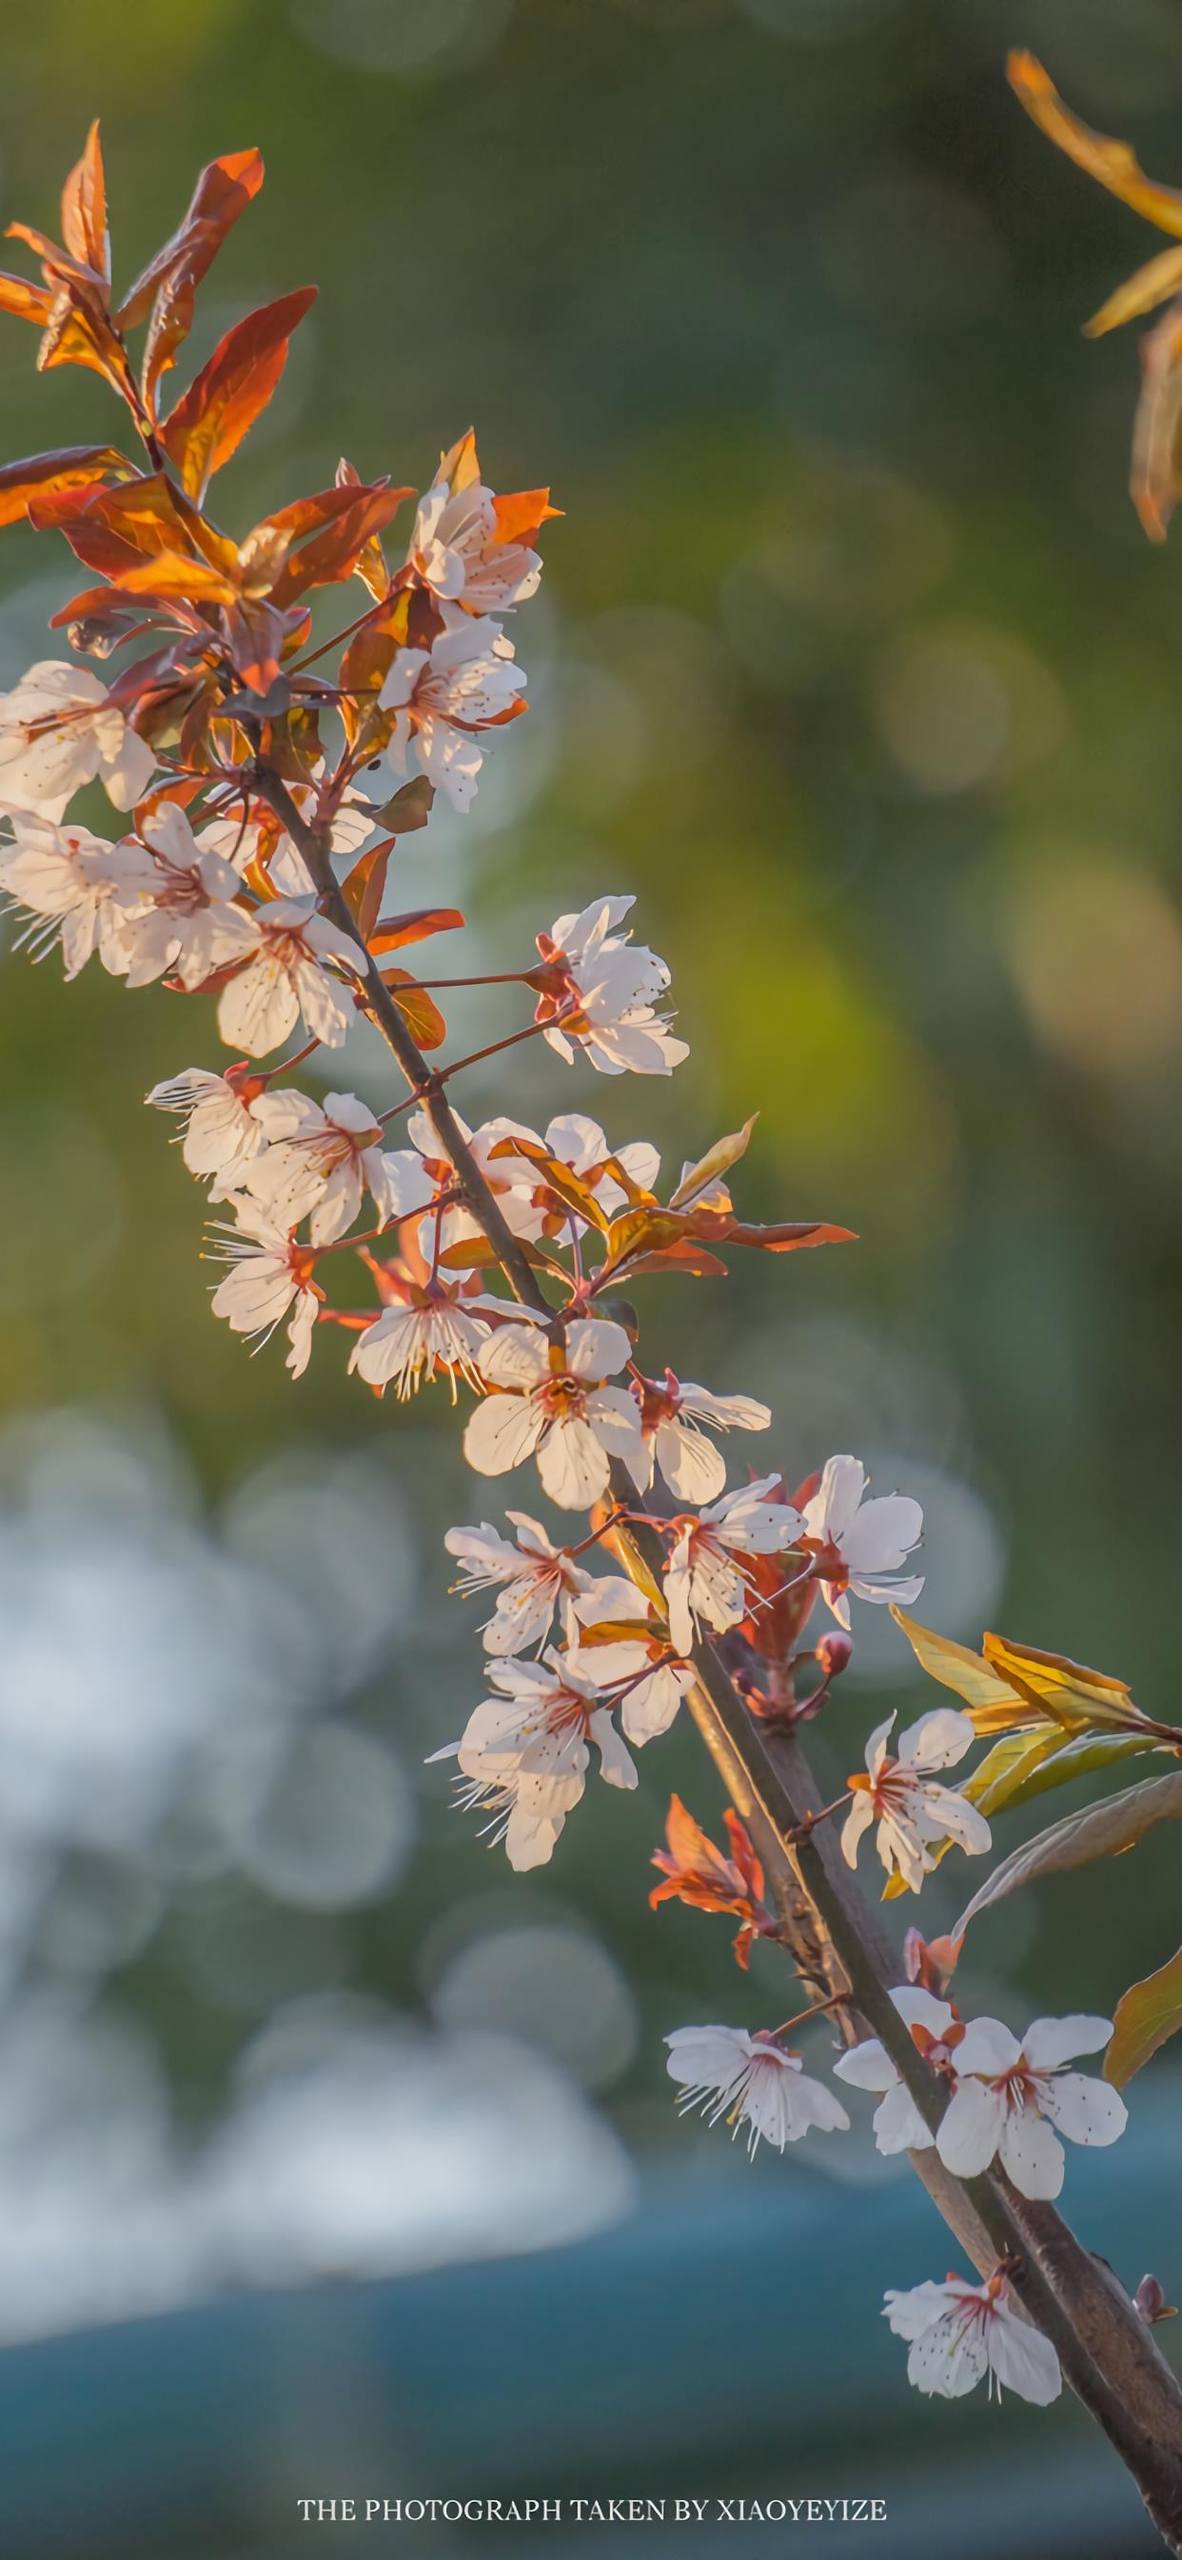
[[1100, 1831], [209, 422], [419, 1011], [84, 209], [43, 475], [168, 285], [1113, 163], [1149, 2013], [711, 1167]]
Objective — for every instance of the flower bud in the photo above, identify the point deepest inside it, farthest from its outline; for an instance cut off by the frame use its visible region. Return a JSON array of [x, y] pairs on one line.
[[1150, 2300], [835, 1652]]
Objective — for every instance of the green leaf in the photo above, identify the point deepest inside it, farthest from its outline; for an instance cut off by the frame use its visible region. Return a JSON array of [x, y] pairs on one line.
[[1149, 2013], [1100, 1831]]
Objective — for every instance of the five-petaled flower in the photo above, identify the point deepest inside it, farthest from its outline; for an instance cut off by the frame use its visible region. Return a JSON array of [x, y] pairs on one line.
[[425, 1330], [58, 730], [220, 1135], [640, 1668], [531, 1576], [1012, 2101], [465, 545], [66, 882], [526, 1751], [598, 991], [320, 1159], [547, 1396], [752, 2081], [911, 1812], [706, 1580], [269, 1274], [444, 697], [286, 977], [671, 1412], [898, 2124], [859, 1545], [960, 2332], [178, 899]]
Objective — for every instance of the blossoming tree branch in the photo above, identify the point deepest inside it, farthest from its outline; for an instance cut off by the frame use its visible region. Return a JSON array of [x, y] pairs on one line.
[[263, 777]]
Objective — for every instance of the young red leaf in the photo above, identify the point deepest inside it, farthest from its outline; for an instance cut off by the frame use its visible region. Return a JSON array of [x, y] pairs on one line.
[[392, 933], [47, 475], [84, 210], [24, 300], [364, 886], [168, 285], [787, 1238], [419, 1011], [332, 553], [522, 514], [210, 420]]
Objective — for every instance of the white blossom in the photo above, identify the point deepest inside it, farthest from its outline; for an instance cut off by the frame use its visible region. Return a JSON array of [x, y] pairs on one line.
[[63, 880], [911, 1812], [672, 1411], [527, 1751], [531, 1576], [861, 1545], [262, 1003], [601, 992], [426, 1332], [220, 1134], [270, 1275], [960, 2332], [752, 2081], [320, 1159], [705, 1579], [58, 730], [898, 2124], [653, 1684], [1012, 2101], [178, 901], [443, 697], [548, 1398], [459, 553]]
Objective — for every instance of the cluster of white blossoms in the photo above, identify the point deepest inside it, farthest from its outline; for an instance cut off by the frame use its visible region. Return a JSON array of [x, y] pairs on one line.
[[206, 891], [551, 1395], [1009, 2102]]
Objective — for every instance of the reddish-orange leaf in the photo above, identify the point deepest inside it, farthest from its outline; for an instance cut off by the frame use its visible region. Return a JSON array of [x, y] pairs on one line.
[[168, 285], [693, 1259], [364, 886], [371, 565], [558, 1177], [43, 475], [332, 554], [176, 573], [522, 514], [786, 1239], [209, 422], [392, 933], [419, 1011], [84, 209], [25, 301]]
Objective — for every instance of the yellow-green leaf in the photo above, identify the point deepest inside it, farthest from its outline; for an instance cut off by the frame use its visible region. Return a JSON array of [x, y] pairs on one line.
[[711, 1167], [1150, 2012], [993, 1705]]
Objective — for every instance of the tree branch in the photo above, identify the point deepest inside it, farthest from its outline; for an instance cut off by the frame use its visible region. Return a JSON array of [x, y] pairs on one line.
[[1107, 2352]]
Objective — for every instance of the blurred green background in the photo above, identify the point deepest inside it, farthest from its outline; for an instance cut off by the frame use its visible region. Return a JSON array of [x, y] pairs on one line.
[[851, 661]]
